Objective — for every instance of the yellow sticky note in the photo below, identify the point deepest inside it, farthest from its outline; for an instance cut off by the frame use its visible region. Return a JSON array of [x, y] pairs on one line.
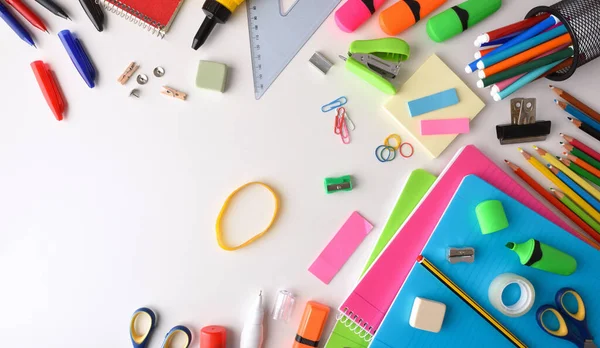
[[432, 77]]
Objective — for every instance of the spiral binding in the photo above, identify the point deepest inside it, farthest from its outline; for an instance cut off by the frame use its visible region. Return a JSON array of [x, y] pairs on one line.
[[348, 319], [136, 17]]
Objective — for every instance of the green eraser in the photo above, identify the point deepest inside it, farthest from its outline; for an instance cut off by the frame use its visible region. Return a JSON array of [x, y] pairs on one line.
[[211, 75], [491, 216]]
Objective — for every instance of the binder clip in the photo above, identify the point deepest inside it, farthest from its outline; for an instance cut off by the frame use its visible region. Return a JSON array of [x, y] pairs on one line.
[[524, 127], [456, 255], [343, 183], [377, 61]]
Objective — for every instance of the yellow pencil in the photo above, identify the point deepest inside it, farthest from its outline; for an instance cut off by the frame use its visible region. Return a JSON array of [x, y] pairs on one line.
[[571, 174], [561, 185], [469, 301]]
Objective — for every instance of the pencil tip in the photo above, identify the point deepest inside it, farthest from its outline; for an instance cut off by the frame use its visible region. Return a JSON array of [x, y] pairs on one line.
[[555, 101], [520, 149], [569, 118], [561, 134], [550, 86], [535, 147]]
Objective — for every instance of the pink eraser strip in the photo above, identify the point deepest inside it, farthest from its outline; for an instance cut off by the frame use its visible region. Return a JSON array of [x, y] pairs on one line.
[[354, 13], [340, 248], [447, 126]]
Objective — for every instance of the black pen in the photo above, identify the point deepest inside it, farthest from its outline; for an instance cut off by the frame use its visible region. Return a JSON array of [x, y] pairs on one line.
[[53, 7], [94, 12]]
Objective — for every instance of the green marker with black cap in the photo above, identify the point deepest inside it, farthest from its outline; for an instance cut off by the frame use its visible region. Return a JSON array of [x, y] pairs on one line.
[[538, 255], [457, 19]]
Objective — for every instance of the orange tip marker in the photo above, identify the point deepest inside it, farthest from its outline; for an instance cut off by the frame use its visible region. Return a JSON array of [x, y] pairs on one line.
[[405, 13], [312, 325]]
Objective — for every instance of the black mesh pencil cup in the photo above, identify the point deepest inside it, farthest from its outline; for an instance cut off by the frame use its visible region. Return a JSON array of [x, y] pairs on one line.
[[582, 20]]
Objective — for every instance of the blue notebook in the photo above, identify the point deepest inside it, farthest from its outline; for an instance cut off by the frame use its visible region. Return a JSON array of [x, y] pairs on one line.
[[462, 326]]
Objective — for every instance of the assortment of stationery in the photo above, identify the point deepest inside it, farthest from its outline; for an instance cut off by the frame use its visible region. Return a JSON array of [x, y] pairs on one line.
[[422, 284]]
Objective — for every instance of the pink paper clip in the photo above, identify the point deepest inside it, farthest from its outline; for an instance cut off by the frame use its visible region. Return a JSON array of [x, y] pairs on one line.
[[341, 125]]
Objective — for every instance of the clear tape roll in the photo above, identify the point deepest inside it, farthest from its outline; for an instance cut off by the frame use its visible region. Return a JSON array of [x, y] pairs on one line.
[[525, 302]]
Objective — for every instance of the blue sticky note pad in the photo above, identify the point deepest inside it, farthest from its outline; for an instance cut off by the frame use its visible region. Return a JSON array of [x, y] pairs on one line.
[[462, 326], [432, 102]]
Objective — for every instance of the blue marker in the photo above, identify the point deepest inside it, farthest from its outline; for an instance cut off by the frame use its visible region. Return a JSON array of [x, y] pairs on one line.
[[526, 35], [501, 40], [578, 189], [79, 57], [14, 24]]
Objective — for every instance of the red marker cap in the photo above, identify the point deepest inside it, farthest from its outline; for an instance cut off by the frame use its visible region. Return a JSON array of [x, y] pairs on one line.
[[50, 88], [213, 337]]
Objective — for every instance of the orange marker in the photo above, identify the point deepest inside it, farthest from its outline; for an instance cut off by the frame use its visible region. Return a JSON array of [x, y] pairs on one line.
[[403, 14], [312, 325]]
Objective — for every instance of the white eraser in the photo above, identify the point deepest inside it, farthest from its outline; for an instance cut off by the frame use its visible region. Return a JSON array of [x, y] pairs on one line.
[[427, 315]]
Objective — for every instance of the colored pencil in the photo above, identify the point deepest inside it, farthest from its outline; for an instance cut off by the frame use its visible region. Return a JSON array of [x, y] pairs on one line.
[[523, 81], [557, 57], [568, 172], [575, 187], [558, 205], [469, 301], [581, 146], [525, 35], [500, 86], [483, 52], [581, 155], [524, 51], [560, 185], [510, 29], [585, 127], [578, 114], [576, 103], [579, 170], [577, 210]]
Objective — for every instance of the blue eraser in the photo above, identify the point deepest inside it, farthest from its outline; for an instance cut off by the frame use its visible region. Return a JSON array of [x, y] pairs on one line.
[[432, 102]]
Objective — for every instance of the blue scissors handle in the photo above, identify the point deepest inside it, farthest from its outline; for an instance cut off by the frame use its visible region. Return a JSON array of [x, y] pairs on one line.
[[179, 329], [140, 340], [572, 326]]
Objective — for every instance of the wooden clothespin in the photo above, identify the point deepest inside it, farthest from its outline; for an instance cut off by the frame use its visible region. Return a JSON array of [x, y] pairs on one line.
[[171, 92], [131, 69]]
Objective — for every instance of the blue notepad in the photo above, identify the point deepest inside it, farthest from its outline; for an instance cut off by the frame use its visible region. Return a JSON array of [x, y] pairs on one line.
[[463, 326], [432, 102]]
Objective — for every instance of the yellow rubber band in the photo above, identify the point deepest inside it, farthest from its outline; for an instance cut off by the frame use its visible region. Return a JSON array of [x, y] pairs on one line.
[[396, 137], [224, 210]]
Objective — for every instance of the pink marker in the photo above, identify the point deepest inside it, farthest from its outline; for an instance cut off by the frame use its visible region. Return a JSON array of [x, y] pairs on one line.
[[354, 13]]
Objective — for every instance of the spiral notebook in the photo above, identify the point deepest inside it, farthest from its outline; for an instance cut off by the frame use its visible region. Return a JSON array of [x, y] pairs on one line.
[[156, 16], [370, 300]]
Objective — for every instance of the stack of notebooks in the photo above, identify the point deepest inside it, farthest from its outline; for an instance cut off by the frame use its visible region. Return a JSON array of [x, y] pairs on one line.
[[365, 316]]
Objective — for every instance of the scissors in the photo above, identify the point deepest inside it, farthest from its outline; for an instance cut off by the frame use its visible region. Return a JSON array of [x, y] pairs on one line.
[[571, 326], [141, 339]]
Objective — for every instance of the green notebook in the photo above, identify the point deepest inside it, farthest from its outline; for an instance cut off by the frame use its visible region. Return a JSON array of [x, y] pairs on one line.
[[417, 185]]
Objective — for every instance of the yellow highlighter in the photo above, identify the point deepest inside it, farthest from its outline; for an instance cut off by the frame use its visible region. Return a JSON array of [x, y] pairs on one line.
[[217, 12]]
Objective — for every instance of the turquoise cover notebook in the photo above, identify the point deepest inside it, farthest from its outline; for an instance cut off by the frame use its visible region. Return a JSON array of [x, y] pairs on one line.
[[462, 326]]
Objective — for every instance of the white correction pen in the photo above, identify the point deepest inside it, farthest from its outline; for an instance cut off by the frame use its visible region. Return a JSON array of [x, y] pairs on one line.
[[252, 334]]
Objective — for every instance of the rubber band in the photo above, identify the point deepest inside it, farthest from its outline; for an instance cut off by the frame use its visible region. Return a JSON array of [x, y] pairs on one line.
[[396, 137], [412, 150], [334, 104], [379, 153], [224, 210]]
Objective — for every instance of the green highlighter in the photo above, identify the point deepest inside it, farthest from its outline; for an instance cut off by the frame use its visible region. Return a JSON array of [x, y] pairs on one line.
[[538, 255], [377, 61], [457, 19]]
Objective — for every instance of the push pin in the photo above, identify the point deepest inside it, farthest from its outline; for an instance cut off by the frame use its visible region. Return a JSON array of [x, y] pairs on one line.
[[456, 255], [343, 183], [135, 93]]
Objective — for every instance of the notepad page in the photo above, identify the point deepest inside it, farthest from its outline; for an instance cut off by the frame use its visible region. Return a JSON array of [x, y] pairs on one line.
[[370, 300], [459, 227]]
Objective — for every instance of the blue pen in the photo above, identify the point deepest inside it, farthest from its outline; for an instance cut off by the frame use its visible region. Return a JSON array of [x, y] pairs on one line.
[[526, 35], [14, 24], [578, 114], [578, 189], [79, 57]]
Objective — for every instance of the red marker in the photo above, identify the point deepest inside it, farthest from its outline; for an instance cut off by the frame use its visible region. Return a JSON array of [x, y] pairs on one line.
[[28, 14], [50, 88]]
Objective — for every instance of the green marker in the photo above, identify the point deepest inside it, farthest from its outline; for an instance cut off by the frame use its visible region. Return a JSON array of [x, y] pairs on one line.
[[457, 19], [538, 255]]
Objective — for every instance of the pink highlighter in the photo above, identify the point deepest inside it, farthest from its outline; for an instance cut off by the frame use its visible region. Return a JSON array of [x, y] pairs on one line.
[[354, 13]]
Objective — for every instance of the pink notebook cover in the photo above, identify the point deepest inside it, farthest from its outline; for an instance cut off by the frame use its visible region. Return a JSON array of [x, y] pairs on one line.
[[373, 295]]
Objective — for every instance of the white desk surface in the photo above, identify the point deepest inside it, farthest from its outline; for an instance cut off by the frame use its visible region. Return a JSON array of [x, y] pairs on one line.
[[115, 207]]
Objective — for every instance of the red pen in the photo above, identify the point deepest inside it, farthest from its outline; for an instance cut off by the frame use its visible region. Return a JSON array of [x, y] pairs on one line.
[[50, 88], [28, 14]]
